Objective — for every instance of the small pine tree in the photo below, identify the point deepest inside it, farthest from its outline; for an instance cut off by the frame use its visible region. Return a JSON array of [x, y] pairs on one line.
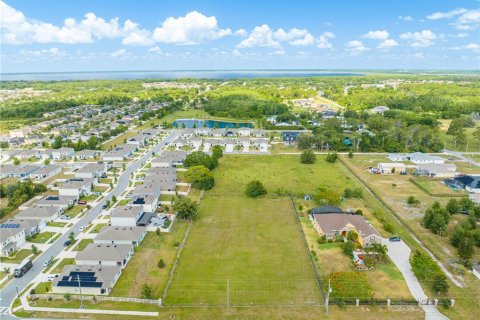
[[161, 264]]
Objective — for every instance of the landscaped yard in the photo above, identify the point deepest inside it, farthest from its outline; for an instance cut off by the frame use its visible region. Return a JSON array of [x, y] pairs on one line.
[[143, 268], [98, 227], [82, 244], [63, 263], [56, 224], [42, 237], [73, 212], [18, 256], [118, 140]]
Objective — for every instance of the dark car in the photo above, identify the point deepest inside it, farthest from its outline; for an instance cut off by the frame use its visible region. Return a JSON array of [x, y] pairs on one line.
[[104, 207], [394, 239], [66, 243]]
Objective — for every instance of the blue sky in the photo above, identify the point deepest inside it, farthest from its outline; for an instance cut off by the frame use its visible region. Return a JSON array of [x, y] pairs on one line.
[[166, 35]]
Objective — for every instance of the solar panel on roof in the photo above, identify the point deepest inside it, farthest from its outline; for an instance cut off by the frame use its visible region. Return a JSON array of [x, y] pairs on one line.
[[9, 226], [52, 198]]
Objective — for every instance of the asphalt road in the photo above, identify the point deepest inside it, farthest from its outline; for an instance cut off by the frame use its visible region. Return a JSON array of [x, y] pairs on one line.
[[9, 292]]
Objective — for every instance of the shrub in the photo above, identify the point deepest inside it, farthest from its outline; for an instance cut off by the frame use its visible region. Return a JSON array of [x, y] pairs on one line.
[[161, 264], [353, 193], [347, 248], [411, 200], [255, 189], [308, 157], [332, 157], [146, 291]]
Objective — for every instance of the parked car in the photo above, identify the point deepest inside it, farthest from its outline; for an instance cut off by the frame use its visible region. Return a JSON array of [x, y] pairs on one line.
[[82, 202], [52, 277], [65, 217], [394, 239], [48, 262], [104, 207], [82, 228], [66, 243]]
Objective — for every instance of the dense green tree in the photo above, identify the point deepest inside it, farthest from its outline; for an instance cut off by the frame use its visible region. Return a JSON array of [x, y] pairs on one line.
[[308, 157], [186, 208], [217, 152], [200, 177], [199, 158]]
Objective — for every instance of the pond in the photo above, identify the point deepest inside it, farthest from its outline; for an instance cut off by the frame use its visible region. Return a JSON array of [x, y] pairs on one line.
[[196, 123]]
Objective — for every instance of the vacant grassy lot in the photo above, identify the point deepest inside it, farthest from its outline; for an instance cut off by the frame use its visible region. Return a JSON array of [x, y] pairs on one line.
[[118, 140], [82, 244], [143, 268], [244, 251], [62, 264]]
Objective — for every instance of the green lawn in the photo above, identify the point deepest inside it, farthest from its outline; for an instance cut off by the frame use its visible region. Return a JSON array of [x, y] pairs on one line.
[[118, 140], [98, 227], [42, 237], [62, 264], [82, 244], [75, 211], [56, 224], [43, 287], [123, 202], [17, 257], [143, 266], [248, 251]]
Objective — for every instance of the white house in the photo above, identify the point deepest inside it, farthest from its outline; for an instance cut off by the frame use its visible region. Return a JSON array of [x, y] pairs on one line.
[[121, 235], [126, 216], [148, 202], [105, 255], [62, 153], [46, 172], [91, 171], [119, 153], [11, 239], [47, 214], [104, 279], [76, 187], [391, 167]]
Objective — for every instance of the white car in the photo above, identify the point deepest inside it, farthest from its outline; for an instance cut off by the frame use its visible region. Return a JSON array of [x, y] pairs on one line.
[[82, 228], [52, 277]]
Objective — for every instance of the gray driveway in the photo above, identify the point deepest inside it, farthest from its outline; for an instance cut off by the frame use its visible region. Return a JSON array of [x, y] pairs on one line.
[[399, 252]]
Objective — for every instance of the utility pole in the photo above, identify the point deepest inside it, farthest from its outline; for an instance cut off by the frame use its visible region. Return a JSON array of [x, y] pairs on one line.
[[18, 294], [80, 289], [328, 297]]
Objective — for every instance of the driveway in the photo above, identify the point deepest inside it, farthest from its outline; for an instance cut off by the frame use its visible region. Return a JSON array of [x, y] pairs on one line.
[[399, 252]]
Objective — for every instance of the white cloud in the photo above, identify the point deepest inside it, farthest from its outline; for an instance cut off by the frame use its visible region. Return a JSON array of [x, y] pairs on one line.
[[471, 46], [376, 35], [52, 53], [470, 20], [16, 28], [465, 19], [295, 37], [120, 54], [193, 28], [387, 43], [241, 33], [261, 36], [419, 55], [446, 15], [323, 42], [154, 49], [422, 39], [356, 47], [405, 18]]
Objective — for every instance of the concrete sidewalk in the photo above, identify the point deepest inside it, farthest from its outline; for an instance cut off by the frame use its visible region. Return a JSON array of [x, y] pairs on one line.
[[92, 311], [399, 252]]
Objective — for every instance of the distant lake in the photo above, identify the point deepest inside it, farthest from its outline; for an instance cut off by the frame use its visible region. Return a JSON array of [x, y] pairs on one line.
[[190, 123], [175, 74]]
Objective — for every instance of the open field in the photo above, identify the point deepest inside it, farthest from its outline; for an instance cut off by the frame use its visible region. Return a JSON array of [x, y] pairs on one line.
[[118, 140], [143, 267], [244, 251]]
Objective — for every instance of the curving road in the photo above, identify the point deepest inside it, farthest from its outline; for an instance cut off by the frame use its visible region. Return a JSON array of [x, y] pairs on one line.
[[9, 292]]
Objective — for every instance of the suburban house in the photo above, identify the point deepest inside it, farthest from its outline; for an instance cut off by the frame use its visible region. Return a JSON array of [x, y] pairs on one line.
[[47, 214], [126, 216], [379, 109], [62, 202], [12, 237], [20, 172], [260, 143], [333, 224], [416, 157], [90, 280], [87, 154], [31, 226], [169, 159], [62, 153], [46, 172], [203, 131], [76, 187], [217, 133], [325, 209], [154, 184], [195, 142], [468, 182], [244, 132], [438, 170], [119, 153], [391, 167], [121, 235], [290, 137], [105, 255], [148, 202], [137, 140], [91, 171]]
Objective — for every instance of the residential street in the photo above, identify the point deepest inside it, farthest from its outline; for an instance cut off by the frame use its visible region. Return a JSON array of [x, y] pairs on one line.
[[9, 292]]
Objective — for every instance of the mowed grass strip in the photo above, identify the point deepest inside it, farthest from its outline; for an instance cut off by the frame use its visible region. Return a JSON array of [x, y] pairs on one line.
[[143, 267], [244, 251]]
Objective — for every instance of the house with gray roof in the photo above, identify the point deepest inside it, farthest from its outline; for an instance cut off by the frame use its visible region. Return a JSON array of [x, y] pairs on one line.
[[126, 216], [89, 280], [22, 171], [11, 239], [91, 171], [169, 159], [120, 153], [47, 214], [87, 154], [31, 226], [121, 235], [62, 202], [76, 187], [46, 172], [105, 255], [63, 153]]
